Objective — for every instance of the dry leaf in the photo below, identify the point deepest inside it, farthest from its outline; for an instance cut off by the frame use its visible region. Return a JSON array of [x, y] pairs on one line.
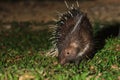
[[26, 77]]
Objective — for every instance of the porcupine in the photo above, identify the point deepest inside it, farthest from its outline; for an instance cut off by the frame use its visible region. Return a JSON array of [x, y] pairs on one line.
[[73, 36]]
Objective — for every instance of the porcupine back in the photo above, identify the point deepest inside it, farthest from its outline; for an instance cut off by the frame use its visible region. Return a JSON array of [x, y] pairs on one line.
[[65, 26], [73, 36]]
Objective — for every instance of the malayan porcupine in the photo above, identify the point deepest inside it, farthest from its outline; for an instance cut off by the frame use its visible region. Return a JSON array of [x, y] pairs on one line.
[[73, 36]]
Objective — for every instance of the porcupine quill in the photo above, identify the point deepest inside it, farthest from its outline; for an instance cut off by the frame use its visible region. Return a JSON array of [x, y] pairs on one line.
[[73, 36]]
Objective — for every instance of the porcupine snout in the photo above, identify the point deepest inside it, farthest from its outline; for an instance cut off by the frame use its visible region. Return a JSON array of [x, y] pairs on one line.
[[69, 52]]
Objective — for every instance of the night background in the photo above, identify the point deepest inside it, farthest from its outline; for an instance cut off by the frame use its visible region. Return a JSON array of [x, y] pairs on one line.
[[25, 29]]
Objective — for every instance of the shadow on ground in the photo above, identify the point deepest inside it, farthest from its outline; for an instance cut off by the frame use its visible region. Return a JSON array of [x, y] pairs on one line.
[[108, 31]]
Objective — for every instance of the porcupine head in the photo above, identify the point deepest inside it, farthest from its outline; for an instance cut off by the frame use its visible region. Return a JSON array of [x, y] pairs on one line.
[[74, 36]]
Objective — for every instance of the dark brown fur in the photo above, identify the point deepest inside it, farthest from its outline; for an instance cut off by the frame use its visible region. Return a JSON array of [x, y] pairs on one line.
[[71, 44]]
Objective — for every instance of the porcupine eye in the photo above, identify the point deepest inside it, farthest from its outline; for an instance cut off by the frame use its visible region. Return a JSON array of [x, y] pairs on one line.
[[68, 53]]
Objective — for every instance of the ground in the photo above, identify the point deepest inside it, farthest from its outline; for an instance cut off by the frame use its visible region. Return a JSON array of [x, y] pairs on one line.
[[107, 10], [47, 11], [24, 41]]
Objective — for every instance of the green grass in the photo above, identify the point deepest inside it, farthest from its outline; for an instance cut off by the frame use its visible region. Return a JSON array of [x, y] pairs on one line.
[[22, 57]]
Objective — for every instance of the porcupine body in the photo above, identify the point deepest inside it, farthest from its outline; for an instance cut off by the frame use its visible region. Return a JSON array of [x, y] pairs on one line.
[[74, 36]]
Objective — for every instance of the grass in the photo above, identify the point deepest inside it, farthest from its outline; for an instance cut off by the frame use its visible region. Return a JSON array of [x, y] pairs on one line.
[[22, 57]]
